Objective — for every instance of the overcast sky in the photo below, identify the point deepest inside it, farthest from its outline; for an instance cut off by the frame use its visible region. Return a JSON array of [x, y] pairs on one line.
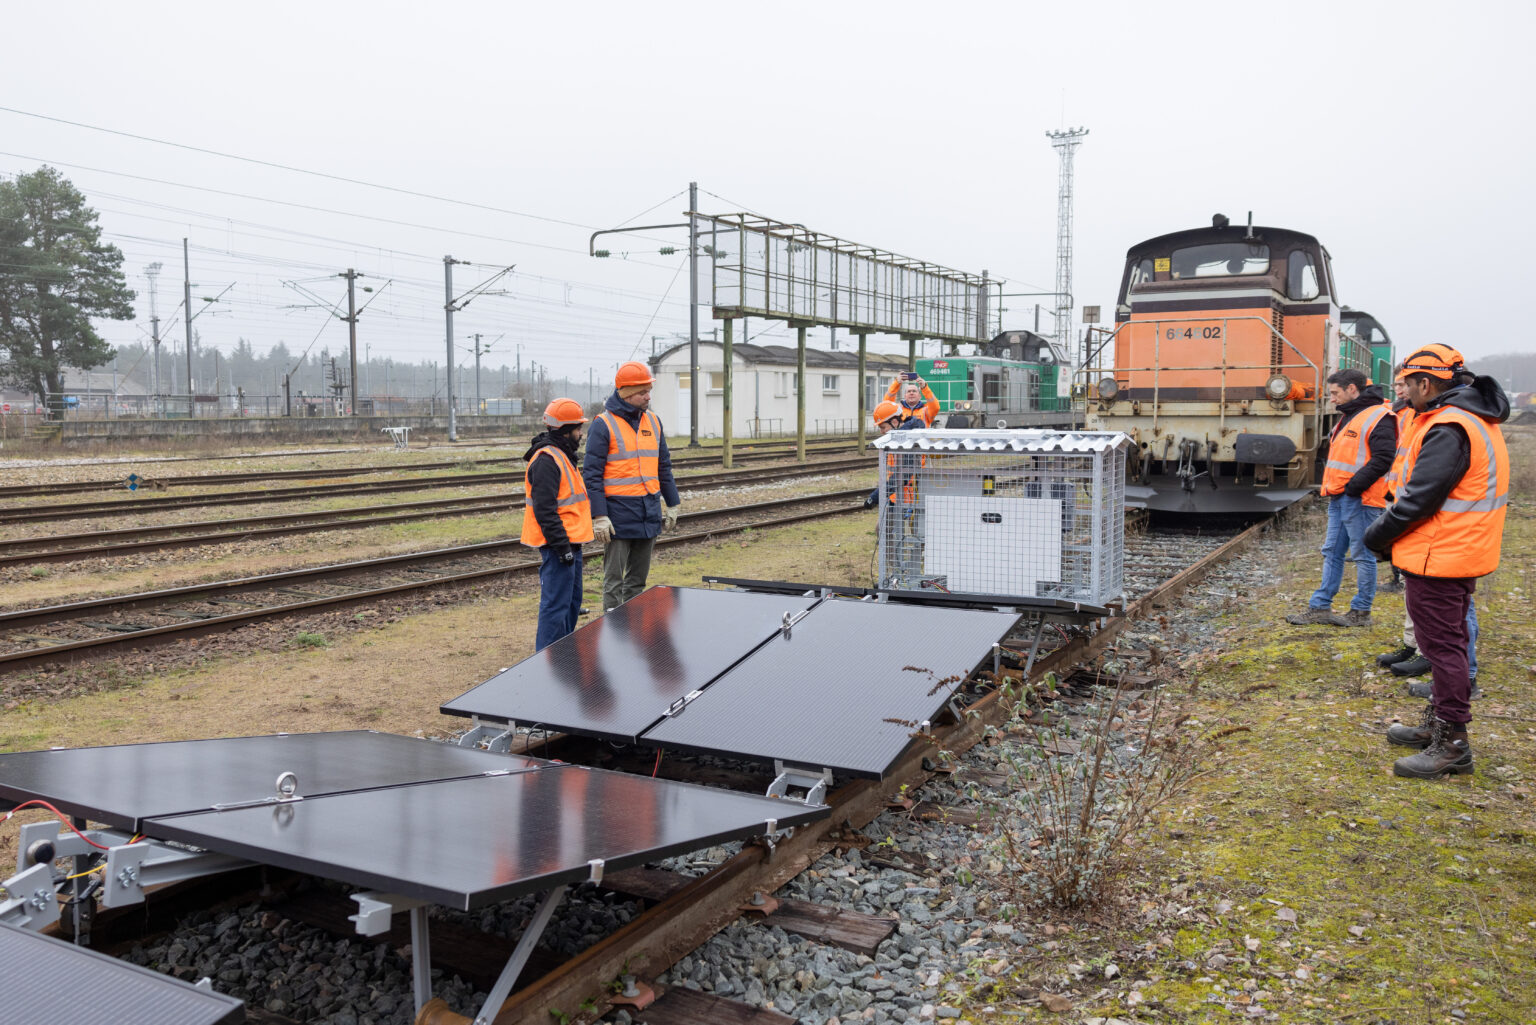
[[1398, 134]]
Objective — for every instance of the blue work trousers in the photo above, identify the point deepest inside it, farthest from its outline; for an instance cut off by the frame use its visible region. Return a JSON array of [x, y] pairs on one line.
[[559, 596], [1347, 519]]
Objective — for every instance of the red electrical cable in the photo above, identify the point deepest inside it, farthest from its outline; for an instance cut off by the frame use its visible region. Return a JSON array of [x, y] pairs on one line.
[[62, 818], [657, 768]]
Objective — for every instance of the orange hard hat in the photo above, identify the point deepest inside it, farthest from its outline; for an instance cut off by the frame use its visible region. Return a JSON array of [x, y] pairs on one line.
[[631, 374], [1436, 360], [885, 411], [563, 411]]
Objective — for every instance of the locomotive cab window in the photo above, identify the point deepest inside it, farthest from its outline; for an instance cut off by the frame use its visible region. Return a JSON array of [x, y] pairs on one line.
[[1220, 259], [1301, 276], [1141, 273]]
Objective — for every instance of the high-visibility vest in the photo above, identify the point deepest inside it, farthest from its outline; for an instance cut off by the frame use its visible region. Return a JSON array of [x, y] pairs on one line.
[[926, 412], [1405, 423], [571, 501], [1349, 451], [634, 457], [1462, 537]]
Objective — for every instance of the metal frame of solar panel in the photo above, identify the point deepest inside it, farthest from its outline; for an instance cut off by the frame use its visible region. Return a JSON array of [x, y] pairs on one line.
[[617, 675], [423, 822], [43, 980], [846, 688]]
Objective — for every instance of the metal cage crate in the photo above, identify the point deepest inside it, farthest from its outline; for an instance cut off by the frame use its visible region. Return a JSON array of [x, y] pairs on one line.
[[1008, 513]]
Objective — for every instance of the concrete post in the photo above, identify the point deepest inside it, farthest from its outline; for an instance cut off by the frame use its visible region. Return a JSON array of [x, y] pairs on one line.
[[863, 368], [725, 458], [800, 395]]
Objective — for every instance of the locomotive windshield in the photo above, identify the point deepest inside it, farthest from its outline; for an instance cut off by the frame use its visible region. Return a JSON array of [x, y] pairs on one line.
[[1220, 259]]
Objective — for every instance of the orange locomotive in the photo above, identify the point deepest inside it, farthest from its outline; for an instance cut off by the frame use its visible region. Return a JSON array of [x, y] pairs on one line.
[[1224, 338]]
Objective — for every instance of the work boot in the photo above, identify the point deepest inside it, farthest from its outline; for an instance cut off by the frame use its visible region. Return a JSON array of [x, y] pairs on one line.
[[1404, 735], [1392, 658], [1357, 617], [1418, 665], [1391, 587], [1315, 617], [1424, 689], [1449, 753]]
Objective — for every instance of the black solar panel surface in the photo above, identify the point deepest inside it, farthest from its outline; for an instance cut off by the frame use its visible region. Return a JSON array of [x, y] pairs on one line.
[[470, 842], [843, 690], [125, 785], [617, 675], [46, 980]]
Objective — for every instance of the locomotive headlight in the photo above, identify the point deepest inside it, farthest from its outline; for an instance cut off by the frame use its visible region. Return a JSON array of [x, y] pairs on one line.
[[1278, 387], [1108, 388]]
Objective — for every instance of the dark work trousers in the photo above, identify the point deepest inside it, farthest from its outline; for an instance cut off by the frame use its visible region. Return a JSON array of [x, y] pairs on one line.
[[559, 596], [1438, 607], [626, 564]]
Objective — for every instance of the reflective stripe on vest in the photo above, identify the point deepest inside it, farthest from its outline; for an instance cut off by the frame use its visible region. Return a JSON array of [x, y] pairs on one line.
[[1463, 537], [570, 501], [1348, 455], [1405, 422], [633, 466]]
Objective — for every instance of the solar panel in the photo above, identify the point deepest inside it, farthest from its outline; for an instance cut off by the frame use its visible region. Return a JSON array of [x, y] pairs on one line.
[[618, 674], [844, 690], [126, 784], [469, 842], [46, 980]]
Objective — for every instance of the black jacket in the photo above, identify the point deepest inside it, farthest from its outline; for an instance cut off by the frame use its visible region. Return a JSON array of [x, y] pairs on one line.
[[544, 487], [1382, 444], [1444, 458]]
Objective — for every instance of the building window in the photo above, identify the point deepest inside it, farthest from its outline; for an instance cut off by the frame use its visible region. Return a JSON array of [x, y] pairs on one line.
[[716, 381], [829, 383], [780, 384], [684, 382]]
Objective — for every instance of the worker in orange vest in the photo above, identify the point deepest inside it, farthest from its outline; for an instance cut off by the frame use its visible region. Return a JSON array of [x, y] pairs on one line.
[[1360, 452], [1444, 529], [557, 518], [629, 478], [888, 418], [913, 398]]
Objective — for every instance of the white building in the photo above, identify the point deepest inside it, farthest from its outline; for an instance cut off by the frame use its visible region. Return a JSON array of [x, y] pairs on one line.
[[766, 385]]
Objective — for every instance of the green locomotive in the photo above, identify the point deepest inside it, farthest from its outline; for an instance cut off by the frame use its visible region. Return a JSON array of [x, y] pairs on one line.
[[1018, 379]]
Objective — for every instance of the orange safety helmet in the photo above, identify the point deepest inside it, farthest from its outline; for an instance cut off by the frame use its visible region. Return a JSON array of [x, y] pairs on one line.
[[561, 412], [885, 411], [1436, 360], [631, 374]]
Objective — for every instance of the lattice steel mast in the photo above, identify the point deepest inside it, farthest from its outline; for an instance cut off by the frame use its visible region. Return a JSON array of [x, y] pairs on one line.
[[1065, 143]]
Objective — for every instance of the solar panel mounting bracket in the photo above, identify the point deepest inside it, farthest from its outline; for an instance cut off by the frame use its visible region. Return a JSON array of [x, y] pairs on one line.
[[133, 868], [813, 781], [791, 619], [495, 739], [676, 708], [30, 903], [375, 908]]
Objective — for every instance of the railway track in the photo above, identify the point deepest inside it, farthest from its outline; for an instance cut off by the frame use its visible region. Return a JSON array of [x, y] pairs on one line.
[[145, 619], [135, 506], [682, 913], [775, 451], [110, 543]]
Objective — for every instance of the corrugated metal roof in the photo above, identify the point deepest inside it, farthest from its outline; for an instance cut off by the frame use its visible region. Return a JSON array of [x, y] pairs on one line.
[[1015, 440]]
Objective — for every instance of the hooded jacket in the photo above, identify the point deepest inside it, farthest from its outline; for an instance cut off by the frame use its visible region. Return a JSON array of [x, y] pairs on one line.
[[633, 516], [544, 487], [1444, 459], [1382, 444]]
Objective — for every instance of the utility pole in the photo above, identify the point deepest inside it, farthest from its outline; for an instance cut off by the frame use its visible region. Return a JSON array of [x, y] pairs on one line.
[[186, 268], [1065, 143], [151, 272], [693, 320], [352, 276], [448, 262]]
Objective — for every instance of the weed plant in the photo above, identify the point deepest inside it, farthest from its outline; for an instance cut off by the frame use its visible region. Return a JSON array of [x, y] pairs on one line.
[[1077, 795]]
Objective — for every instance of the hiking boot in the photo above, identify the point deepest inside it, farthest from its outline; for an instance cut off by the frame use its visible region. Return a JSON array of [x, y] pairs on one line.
[[1425, 688], [1404, 735], [1315, 617], [1416, 666], [1392, 658], [1356, 617], [1449, 753], [1391, 587]]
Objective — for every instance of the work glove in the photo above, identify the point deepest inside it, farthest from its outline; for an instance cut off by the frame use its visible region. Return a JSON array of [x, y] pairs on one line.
[[669, 516], [872, 499], [602, 530], [1375, 540], [567, 555]]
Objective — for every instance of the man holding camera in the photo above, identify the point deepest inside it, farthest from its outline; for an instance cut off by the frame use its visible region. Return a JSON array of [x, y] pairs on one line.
[[916, 398]]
